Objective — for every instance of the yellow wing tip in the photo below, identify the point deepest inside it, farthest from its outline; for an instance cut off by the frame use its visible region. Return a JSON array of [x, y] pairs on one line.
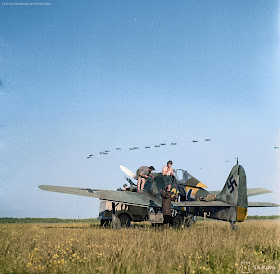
[[201, 185]]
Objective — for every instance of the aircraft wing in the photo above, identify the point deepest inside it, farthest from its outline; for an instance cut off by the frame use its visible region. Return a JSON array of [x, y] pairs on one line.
[[250, 191], [200, 203], [125, 197], [262, 204]]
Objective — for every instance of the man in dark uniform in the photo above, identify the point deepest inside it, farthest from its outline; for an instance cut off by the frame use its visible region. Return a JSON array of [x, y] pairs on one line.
[[166, 205]]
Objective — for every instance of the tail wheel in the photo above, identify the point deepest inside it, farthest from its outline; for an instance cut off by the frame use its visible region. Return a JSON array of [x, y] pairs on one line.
[[125, 220], [178, 221]]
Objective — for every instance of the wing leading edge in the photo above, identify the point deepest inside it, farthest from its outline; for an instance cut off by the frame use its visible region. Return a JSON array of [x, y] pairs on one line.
[[220, 204], [201, 204], [125, 197]]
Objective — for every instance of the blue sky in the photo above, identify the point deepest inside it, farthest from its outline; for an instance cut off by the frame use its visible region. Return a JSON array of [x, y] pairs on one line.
[[78, 78]]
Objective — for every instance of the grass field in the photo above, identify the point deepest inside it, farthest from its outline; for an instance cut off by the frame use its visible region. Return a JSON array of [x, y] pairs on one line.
[[208, 247]]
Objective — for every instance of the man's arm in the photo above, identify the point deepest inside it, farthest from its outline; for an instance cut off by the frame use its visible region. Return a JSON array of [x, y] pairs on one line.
[[164, 194], [142, 175]]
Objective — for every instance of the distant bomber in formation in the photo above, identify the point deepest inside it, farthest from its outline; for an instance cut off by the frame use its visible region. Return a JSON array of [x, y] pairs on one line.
[[105, 152], [229, 204]]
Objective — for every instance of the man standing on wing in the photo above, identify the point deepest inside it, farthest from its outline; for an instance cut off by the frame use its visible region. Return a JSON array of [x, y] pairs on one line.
[[168, 170], [168, 174]]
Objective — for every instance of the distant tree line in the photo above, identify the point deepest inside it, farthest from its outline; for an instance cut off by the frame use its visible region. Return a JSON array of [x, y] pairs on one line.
[[46, 220], [95, 220]]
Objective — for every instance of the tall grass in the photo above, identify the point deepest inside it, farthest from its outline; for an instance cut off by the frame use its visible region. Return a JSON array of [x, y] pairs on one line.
[[208, 247]]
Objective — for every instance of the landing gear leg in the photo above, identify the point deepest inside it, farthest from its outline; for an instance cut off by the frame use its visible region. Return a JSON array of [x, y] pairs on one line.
[[115, 220], [114, 215], [233, 225]]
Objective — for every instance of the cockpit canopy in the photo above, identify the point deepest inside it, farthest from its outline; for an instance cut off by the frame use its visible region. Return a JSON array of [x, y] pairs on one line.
[[181, 176]]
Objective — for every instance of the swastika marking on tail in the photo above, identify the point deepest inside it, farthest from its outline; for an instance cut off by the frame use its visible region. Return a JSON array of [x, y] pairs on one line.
[[230, 183]]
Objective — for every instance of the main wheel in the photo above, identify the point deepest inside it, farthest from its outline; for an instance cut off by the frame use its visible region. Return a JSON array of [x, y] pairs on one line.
[[188, 222], [178, 221], [104, 223], [124, 220]]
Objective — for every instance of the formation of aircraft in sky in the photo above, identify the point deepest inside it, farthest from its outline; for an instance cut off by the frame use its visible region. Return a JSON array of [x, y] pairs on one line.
[[106, 152]]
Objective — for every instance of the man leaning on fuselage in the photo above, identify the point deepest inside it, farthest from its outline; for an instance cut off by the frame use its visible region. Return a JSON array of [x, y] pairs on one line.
[[144, 173]]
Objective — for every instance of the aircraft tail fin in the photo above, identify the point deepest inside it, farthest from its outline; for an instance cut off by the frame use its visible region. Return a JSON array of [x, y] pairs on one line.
[[235, 194]]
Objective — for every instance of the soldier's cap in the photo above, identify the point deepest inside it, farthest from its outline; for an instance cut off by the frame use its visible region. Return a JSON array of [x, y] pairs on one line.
[[151, 168]]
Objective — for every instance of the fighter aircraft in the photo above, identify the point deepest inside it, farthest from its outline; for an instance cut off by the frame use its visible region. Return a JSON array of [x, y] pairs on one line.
[[230, 204]]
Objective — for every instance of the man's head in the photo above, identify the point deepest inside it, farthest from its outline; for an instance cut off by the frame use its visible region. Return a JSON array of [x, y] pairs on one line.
[[169, 163], [151, 168]]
